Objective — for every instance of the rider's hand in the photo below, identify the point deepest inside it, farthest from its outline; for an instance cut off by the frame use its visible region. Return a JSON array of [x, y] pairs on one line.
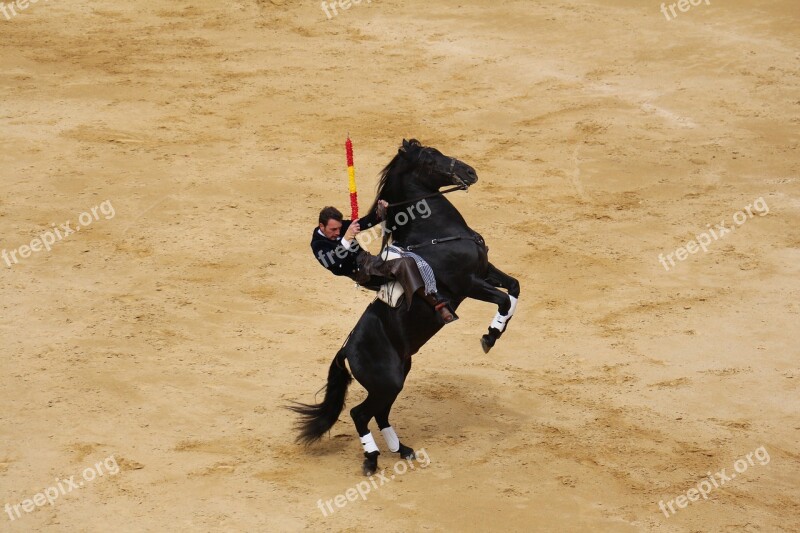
[[383, 205], [352, 231]]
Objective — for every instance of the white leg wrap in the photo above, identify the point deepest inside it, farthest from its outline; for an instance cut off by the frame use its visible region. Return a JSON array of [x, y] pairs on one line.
[[513, 306], [499, 322], [369, 443], [391, 438]]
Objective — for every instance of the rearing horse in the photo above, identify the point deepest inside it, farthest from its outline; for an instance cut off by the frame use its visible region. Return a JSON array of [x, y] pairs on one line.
[[380, 347]]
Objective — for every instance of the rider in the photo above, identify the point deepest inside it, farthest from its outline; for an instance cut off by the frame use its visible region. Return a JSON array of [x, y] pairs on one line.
[[341, 254]]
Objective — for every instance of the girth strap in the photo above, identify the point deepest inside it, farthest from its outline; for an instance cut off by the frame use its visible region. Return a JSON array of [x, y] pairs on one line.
[[477, 238]]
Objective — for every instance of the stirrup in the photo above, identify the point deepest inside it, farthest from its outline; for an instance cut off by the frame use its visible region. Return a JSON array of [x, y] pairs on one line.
[[446, 312]]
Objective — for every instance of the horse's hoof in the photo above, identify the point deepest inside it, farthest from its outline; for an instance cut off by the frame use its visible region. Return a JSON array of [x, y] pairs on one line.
[[370, 465], [406, 452], [488, 340], [486, 343]]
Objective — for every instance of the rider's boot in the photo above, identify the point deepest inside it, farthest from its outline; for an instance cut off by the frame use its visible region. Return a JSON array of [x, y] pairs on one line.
[[440, 304]]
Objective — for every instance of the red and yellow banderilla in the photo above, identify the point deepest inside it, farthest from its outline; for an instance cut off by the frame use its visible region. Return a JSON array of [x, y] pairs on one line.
[[351, 173]]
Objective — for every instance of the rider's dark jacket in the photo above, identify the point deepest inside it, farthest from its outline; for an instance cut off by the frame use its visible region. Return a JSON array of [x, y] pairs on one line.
[[333, 255]]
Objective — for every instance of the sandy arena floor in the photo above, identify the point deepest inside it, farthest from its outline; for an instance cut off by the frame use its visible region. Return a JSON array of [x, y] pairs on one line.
[[151, 350]]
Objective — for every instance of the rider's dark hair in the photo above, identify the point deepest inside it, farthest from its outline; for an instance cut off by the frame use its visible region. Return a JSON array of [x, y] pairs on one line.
[[328, 213]]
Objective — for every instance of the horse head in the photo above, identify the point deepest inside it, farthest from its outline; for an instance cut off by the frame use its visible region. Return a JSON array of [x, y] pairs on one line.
[[434, 169]]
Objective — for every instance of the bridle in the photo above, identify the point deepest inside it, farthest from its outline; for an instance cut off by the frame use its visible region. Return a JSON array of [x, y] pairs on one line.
[[450, 173], [462, 186]]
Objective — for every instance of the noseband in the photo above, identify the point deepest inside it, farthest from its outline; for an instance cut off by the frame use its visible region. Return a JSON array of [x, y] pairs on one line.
[[451, 173]]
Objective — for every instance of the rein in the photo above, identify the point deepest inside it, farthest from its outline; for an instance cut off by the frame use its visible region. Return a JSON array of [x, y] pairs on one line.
[[449, 173], [462, 187], [431, 195]]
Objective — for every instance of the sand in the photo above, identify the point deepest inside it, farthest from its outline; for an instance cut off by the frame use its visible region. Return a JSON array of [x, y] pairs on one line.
[[164, 338]]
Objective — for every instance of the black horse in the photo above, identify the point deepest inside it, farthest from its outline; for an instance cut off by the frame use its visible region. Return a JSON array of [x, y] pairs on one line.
[[380, 347]]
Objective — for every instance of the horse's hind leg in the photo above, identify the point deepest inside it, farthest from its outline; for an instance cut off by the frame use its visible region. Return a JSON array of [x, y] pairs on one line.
[[382, 386], [361, 415], [380, 370], [389, 434]]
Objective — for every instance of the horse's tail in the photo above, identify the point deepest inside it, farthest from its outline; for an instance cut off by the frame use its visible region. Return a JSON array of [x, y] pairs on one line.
[[316, 420]]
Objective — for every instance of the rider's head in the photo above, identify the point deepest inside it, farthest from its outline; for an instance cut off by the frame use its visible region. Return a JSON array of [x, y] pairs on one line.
[[330, 222]]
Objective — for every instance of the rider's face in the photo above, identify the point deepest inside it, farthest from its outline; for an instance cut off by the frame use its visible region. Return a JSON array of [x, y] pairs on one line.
[[332, 229]]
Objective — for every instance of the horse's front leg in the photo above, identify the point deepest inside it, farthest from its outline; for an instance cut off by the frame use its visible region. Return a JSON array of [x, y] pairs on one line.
[[497, 278], [484, 291]]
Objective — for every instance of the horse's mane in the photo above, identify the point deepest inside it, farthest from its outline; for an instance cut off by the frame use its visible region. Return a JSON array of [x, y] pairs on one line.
[[398, 165], [384, 175]]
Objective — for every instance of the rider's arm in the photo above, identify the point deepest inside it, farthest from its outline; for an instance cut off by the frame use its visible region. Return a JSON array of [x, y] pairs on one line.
[[370, 220]]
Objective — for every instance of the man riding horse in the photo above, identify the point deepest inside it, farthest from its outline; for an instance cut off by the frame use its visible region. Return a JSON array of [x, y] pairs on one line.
[[343, 256], [380, 348]]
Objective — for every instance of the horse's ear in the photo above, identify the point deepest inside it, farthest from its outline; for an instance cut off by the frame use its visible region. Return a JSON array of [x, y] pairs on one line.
[[405, 149], [410, 146]]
